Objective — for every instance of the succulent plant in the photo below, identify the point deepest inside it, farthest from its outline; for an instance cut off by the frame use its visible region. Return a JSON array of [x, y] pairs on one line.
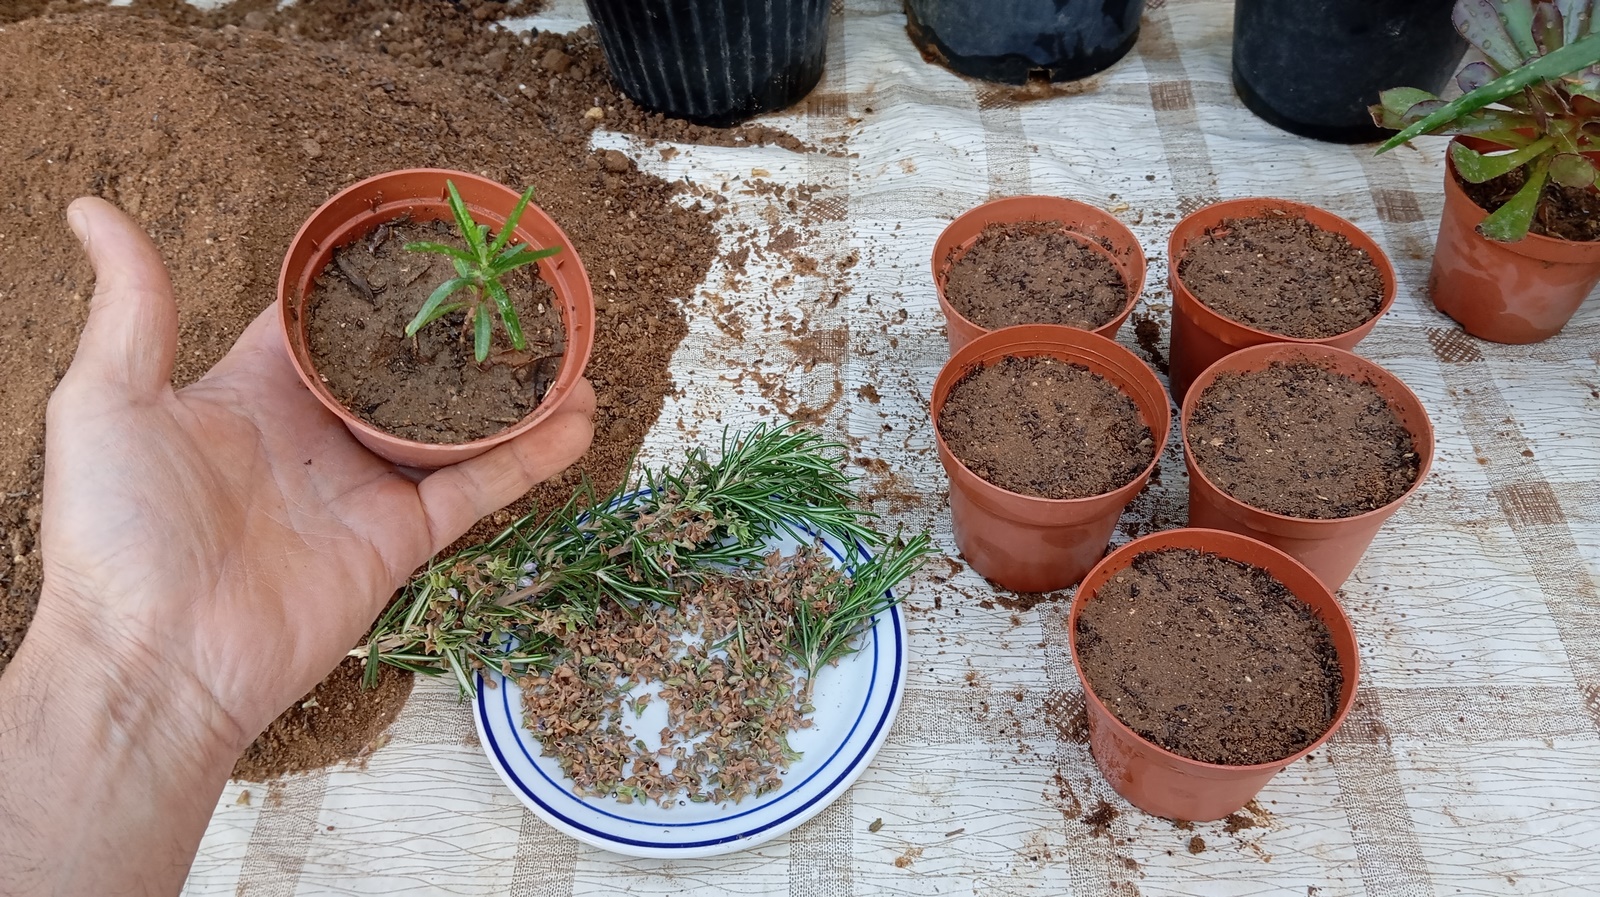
[[1535, 92]]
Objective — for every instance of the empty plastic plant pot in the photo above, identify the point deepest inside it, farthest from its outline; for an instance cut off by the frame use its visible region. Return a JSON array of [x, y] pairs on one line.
[[1026, 543], [713, 62], [1201, 335], [1095, 228], [1020, 40], [1330, 547], [1520, 292], [420, 195], [1170, 785]]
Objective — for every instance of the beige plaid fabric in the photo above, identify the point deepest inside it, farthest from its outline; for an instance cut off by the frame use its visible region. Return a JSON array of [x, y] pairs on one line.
[[1471, 764]]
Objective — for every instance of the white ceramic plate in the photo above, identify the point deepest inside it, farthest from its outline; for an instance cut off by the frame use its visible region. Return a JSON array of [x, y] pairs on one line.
[[855, 702]]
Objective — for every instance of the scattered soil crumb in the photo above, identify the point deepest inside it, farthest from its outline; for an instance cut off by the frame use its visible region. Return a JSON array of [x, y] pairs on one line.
[[1100, 818], [905, 860], [1197, 845]]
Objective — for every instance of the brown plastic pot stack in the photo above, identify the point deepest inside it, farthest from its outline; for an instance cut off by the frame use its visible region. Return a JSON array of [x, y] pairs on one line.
[[1022, 542], [1087, 224], [1520, 292], [420, 194], [1155, 779], [1332, 547], [1201, 335]]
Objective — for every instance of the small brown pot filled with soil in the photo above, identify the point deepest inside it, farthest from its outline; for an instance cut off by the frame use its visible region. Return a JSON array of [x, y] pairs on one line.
[[349, 286], [1307, 448], [1036, 260], [1520, 292], [1210, 662], [1251, 271], [1046, 432]]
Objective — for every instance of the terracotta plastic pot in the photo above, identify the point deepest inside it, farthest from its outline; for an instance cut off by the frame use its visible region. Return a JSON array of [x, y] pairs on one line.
[[1520, 292], [1023, 542], [420, 194], [1332, 547], [1155, 779], [1201, 335], [1082, 221]]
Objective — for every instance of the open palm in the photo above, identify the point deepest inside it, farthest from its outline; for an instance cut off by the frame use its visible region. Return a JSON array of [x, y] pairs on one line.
[[232, 535]]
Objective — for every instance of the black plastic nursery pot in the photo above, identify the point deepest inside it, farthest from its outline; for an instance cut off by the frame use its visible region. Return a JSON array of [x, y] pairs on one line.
[[1312, 67], [1016, 40], [713, 62]]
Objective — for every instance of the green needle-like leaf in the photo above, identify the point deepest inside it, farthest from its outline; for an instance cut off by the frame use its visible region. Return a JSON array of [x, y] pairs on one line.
[[464, 223], [511, 223], [482, 328], [432, 310], [508, 314], [459, 255]]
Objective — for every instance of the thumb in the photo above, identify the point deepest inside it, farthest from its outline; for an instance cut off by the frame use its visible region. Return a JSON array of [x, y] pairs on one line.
[[132, 332]]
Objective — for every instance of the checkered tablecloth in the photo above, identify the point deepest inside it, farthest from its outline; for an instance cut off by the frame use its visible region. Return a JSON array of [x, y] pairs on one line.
[[1471, 764]]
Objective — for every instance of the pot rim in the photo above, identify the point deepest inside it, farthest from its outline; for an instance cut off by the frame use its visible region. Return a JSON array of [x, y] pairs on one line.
[[1365, 242], [577, 335], [1425, 447], [1001, 211], [1210, 541], [998, 339]]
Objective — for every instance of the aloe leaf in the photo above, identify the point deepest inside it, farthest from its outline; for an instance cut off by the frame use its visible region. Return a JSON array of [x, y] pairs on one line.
[[430, 309], [1475, 167], [511, 223], [1572, 170], [508, 314], [1572, 57], [463, 268], [481, 326], [1474, 75], [517, 256], [1482, 26], [1510, 222]]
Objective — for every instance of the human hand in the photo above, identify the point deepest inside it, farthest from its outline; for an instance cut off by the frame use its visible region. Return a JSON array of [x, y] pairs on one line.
[[213, 552]]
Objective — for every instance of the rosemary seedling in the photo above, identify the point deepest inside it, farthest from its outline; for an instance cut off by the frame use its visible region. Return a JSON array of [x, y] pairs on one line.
[[492, 606], [479, 268]]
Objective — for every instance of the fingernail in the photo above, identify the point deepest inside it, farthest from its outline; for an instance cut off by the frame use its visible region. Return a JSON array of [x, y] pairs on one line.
[[79, 222]]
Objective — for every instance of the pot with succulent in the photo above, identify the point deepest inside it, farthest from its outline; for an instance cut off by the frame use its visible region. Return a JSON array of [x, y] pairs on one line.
[[409, 356], [713, 62], [1245, 272], [1519, 242], [1036, 260], [1210, 662]]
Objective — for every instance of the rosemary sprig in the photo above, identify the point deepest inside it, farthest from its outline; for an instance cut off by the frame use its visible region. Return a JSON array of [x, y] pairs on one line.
[[494, 606], [825, 625]]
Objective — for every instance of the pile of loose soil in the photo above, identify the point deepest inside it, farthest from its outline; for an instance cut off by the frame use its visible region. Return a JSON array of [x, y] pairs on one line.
[[1031, 272], [1210, 658], [340, 720], [1566, 213], [1044, 427], [430, 388], [1283, 274], [1299, 440], [220, 140]]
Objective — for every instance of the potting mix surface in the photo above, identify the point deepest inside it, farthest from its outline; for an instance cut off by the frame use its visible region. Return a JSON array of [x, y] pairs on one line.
[[1210, 658], [782, 271], [1034, 273], [1302, 441], [1046, 428], [1285, 275]]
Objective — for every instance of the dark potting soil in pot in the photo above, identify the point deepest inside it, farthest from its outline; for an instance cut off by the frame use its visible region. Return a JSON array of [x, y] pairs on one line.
[[1566, 213], [430, 389], [1030, 272], [1285, 275], [1045, 427], [1210, 658], [1299, 440]]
